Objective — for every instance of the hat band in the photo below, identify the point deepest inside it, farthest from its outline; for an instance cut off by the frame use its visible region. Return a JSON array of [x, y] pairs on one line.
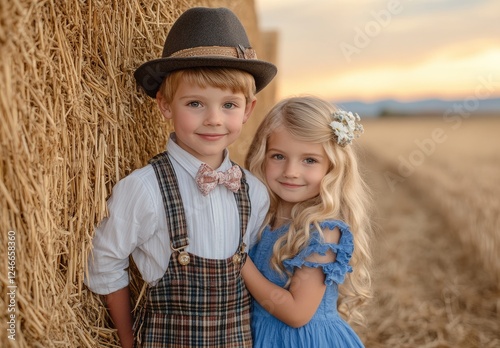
[[217, 51]]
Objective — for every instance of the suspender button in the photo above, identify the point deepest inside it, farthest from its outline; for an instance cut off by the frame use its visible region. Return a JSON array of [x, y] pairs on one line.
[[183, 258]]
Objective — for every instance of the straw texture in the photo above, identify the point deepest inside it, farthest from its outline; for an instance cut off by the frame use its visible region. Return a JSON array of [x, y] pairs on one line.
[[72, 125]]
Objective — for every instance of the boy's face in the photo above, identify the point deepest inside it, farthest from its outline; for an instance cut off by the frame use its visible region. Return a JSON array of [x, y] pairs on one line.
[[206, 120]]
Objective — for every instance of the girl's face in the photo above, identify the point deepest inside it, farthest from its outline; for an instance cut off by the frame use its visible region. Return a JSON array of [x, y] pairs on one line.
[[294, 169]]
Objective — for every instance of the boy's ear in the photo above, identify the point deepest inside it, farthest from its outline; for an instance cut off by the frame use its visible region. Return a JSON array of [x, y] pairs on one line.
[[249, 109], [163, 105]]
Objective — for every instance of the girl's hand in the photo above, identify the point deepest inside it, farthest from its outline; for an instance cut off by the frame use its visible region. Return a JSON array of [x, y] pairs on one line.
[[296, 305]]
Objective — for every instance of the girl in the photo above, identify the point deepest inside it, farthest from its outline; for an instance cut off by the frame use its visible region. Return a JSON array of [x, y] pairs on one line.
[[316, 232]]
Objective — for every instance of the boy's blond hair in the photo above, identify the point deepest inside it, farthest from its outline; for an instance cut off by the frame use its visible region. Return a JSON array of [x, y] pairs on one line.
[[233, 79]]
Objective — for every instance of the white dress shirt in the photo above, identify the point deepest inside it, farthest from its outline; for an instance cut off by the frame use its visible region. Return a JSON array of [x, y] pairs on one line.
[[137, 223]]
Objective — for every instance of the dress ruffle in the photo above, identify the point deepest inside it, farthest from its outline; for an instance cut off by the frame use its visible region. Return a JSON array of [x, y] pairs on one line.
[[334, 271]]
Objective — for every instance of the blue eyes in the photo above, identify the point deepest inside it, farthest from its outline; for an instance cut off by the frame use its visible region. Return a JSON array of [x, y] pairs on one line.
[[308, 160], [194, 104], [197, 104]]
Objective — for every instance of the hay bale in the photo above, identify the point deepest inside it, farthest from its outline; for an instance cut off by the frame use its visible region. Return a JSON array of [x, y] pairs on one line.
[[72, 125]]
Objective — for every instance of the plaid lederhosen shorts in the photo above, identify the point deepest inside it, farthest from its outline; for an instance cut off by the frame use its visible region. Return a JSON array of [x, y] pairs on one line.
[[204, 303]]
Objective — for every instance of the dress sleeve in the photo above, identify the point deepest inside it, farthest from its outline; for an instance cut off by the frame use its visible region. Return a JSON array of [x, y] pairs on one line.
[[334, 271]]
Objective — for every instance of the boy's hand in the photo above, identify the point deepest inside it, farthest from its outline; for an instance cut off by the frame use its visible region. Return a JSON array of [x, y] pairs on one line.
[[119, 307]]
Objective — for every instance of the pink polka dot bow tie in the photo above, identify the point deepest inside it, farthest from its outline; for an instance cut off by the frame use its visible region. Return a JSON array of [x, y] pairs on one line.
[[207, 179]]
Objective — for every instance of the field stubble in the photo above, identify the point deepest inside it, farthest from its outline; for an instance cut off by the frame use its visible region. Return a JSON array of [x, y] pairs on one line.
[[436, 274]]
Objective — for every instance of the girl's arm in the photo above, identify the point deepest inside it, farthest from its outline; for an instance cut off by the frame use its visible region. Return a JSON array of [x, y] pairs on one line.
[[119, 307], [296, 305]]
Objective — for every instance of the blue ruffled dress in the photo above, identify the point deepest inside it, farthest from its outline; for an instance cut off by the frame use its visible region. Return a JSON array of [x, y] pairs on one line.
[[326, 328]]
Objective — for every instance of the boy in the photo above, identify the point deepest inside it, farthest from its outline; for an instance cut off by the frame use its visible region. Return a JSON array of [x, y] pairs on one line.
[[186, 225]]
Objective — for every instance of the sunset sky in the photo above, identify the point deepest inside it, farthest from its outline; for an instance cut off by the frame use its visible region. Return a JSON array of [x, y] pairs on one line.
[[376, 49]]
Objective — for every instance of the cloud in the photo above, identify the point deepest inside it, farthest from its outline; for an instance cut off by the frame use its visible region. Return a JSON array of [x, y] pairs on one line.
[[390, 37]]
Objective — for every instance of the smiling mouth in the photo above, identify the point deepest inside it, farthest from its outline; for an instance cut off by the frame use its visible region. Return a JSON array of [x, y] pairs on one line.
[[288, 185], [211, 136]]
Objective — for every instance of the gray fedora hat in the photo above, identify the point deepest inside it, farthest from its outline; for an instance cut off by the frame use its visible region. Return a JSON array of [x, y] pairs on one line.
[[205, 37]]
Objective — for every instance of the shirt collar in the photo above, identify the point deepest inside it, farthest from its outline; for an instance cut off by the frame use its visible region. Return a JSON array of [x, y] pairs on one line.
[[190, 163]]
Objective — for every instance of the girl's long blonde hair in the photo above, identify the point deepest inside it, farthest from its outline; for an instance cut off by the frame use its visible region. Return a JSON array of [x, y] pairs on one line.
[[343, 194]]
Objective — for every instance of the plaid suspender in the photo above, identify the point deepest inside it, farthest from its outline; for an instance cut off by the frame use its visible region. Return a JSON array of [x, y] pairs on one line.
[[203, 303]]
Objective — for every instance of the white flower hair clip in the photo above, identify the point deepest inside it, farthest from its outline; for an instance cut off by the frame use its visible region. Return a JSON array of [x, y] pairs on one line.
[[346, 126]]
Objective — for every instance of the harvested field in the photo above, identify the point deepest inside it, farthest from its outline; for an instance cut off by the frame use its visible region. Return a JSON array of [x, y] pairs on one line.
[[436, 273]]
